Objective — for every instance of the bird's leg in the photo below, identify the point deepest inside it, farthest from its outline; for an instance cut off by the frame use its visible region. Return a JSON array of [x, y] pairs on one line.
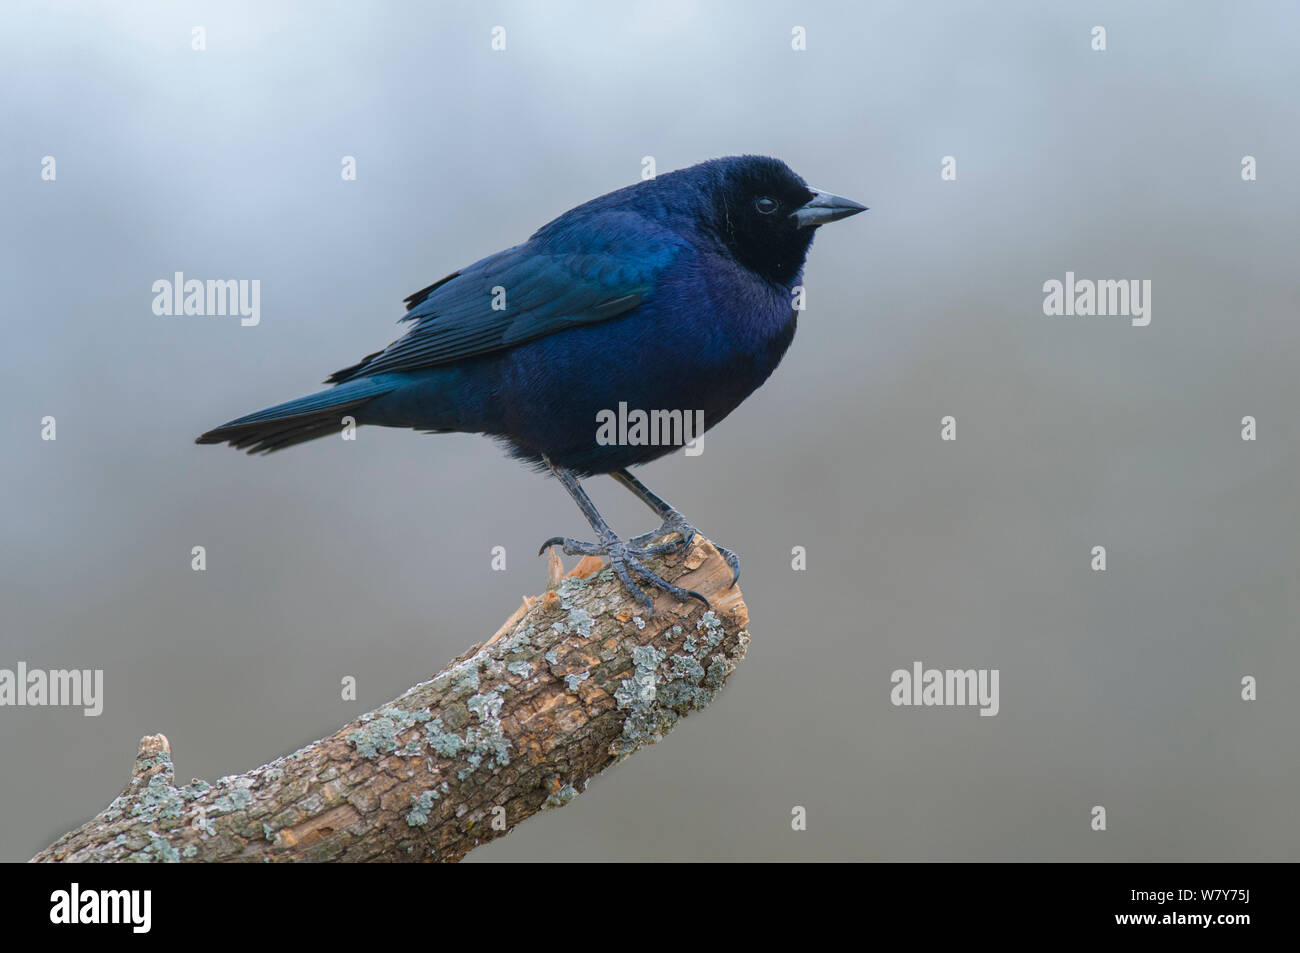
[[624, 558], [673, 522]]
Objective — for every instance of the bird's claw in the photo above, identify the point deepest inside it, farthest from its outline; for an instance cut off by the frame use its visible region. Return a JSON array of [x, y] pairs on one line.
[[685, 531], [625, 558], [732, 560], [687, 534], [562, 541]]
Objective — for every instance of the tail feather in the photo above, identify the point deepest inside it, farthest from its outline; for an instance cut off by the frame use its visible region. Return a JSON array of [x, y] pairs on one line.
[[284, 425]]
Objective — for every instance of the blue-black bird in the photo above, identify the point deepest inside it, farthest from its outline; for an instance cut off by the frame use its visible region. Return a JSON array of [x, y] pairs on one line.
[[673, 294]]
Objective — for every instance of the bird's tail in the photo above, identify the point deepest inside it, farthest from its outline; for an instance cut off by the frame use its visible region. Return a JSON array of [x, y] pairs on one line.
[[297, 421]]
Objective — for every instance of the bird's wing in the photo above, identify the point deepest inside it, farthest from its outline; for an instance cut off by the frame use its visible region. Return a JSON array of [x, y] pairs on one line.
[[552, 282]]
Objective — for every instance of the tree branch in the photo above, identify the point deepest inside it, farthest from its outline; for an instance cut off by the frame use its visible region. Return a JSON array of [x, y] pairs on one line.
[[572, 683]]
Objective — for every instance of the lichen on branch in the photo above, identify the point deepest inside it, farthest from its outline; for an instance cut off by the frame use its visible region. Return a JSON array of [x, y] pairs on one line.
[[575, 681]]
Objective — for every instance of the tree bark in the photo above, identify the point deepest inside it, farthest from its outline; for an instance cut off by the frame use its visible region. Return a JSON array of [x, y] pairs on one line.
[[573, 682]]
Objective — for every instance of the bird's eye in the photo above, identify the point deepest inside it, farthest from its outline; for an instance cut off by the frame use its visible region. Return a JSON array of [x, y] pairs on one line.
[[765, 205]]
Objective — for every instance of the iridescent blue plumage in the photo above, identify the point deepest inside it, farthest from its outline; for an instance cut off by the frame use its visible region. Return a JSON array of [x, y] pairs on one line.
[[674, 294]]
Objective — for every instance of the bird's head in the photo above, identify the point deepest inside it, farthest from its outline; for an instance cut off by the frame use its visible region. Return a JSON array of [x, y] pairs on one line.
[[766, 215]]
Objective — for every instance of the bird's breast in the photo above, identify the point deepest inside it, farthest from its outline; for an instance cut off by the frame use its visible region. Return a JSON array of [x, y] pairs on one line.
[[695, 347]]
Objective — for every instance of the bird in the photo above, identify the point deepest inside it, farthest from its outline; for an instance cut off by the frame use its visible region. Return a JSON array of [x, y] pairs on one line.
[[676, 293]]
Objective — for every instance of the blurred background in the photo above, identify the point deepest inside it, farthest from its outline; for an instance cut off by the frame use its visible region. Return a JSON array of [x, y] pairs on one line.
[[1118, 688]]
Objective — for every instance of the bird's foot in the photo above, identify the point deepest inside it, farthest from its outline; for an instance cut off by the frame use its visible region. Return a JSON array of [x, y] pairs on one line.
[[625, 558], [676, 523]]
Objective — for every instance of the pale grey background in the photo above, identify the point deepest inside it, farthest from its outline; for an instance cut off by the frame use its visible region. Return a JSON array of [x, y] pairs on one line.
[[372, 558]]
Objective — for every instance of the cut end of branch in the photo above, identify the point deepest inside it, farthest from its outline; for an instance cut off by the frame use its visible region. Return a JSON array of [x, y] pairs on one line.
[[152, 759]]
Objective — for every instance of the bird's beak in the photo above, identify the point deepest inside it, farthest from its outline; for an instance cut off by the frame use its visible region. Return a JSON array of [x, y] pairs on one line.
[[825, 207]]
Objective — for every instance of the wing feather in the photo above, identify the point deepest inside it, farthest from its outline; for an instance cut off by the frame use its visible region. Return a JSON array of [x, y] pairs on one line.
[[550, 283]]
